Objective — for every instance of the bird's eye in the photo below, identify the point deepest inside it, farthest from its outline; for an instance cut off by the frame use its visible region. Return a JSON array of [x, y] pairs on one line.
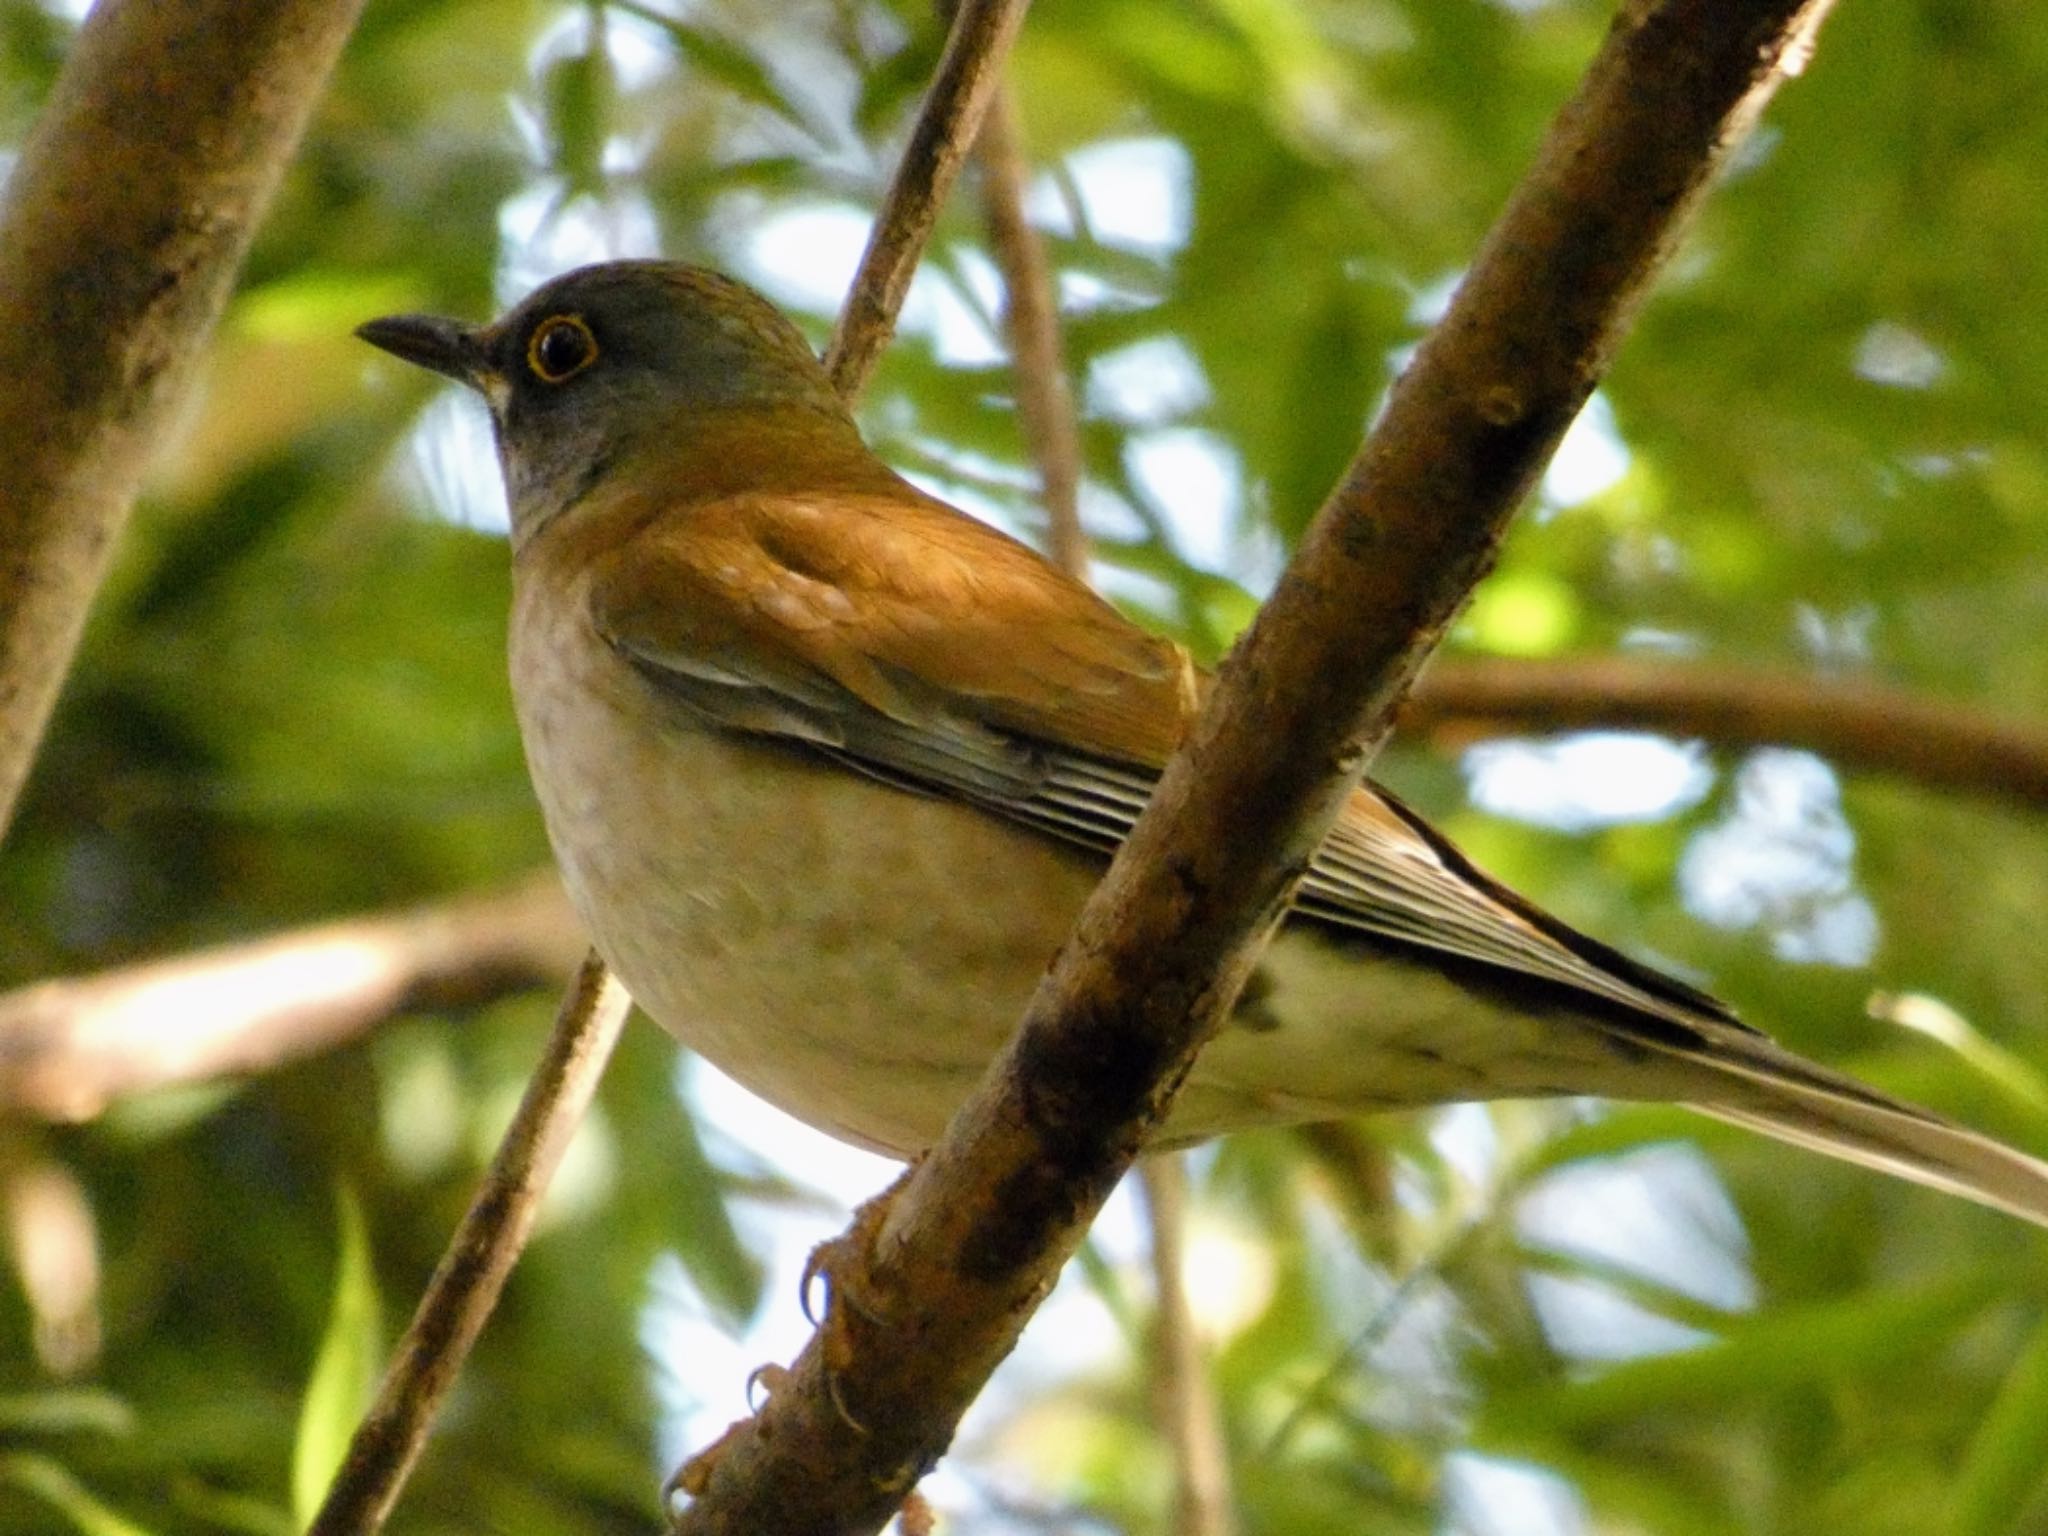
[[561, 348]]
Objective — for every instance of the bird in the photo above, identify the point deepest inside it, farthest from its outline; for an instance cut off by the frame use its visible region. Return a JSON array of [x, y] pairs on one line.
[[829, 766]]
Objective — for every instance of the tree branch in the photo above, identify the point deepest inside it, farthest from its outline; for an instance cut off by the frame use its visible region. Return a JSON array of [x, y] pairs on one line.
[[71, 1047], [969, 71], [933, 1287], [1856, 724], [1031, 316], [1185, 1394], [465, 1287], [124, 224]]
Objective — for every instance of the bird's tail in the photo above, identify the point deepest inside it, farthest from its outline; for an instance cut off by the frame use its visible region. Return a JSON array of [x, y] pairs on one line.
[[1766, 1088]]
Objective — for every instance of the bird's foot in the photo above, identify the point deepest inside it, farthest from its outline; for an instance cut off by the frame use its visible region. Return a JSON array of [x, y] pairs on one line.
[[915, 1518], [843, 1263], [694, 1475]]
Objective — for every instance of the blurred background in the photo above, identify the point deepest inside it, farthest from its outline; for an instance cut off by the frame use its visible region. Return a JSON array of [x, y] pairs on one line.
[[1822, 452]]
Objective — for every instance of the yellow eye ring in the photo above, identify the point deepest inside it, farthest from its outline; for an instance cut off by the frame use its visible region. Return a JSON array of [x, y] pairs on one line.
[[561, 347]]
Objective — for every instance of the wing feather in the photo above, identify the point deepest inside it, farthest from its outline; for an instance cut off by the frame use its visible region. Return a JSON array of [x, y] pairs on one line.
[[932, 651]]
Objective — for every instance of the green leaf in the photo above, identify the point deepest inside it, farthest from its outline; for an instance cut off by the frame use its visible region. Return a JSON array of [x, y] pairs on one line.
[[732, 66], [66, 1410], [345, 1369], [52, 1483], [1937, 1021], [1522, 613], [2007, 1461], [1775, 1349], [702, 1227], [578, 91], [319, 304], [235, 1514]]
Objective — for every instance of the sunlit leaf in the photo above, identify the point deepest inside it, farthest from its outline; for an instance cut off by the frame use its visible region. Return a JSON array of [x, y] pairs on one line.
[[2003, 1471], [49, 1481], [345, 1370], [732, 65], [1778, 1348]]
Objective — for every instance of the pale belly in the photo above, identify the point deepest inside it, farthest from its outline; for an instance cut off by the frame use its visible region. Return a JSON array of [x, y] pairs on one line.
[[856, 954]]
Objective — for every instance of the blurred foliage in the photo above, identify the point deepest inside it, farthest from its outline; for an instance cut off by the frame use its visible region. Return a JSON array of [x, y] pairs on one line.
[[1823, 451]]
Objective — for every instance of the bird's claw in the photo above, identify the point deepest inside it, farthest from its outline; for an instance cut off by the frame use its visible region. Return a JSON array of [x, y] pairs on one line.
[[769, 1379], [694, 1475], [916, 1518], [842, 1263]]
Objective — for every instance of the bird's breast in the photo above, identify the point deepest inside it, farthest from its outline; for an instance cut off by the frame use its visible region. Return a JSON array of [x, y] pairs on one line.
[[852, 952], [856, 953]]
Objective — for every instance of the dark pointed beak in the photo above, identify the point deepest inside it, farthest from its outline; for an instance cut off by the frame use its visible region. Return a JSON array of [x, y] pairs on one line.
[[446, 346]]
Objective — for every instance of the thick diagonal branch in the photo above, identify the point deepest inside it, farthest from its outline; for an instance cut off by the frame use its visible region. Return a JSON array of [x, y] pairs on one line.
[[976, 1232], [124, 225]]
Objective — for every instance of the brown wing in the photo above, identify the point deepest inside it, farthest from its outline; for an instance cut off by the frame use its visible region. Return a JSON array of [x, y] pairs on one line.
[[924, 647], [895, 628]]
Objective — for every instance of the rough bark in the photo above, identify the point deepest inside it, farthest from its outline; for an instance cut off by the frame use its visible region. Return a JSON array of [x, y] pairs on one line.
[[125, 222]]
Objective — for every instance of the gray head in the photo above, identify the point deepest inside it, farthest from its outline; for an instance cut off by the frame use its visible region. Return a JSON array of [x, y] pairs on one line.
[[607, 361]]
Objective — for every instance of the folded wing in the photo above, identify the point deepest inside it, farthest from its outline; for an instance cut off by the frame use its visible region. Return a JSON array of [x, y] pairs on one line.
[[910, 643]]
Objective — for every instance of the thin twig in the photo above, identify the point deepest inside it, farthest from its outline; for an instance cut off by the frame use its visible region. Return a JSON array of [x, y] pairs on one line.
[[124, 223], [1318, 1395], [934, 1285], [71, 1047], [1185, 1393], [1045, 396], [968, 73], [472, 1272], [1856, 724]]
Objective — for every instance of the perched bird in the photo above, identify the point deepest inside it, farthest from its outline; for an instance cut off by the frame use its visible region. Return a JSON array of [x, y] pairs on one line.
[[829, 768]]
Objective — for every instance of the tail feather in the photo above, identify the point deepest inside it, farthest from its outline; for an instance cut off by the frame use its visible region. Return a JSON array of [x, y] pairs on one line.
[[1767, 1089]]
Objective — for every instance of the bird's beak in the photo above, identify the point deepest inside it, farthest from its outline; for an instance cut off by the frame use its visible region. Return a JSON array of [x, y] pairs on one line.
[[446, 346]]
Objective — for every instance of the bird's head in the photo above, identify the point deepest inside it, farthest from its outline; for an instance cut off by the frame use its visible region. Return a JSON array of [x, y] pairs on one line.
[[610, 362]]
